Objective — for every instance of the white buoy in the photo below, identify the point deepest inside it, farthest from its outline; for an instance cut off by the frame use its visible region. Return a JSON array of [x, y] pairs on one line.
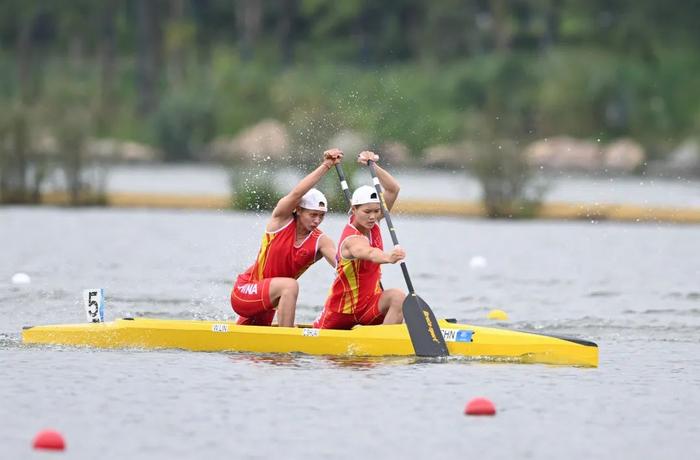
[[477, 262], [21, 278]]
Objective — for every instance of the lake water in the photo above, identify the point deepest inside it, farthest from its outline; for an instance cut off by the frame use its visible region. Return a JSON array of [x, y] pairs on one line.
[[187, 179], [632, 288]]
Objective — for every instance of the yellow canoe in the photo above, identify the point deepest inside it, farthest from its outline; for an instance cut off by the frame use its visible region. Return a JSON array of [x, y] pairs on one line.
[[476, 342]]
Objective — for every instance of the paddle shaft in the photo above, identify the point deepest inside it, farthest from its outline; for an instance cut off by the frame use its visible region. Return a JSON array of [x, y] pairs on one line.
[[423, 327], [387, 216], [343, 183]]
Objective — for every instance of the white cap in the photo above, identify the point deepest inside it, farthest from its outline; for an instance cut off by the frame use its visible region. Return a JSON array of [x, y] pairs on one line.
[[314, 200], [363, 195]]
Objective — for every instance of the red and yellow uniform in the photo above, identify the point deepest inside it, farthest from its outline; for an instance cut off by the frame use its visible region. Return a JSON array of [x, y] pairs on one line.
[[279, 257], [354, 295]]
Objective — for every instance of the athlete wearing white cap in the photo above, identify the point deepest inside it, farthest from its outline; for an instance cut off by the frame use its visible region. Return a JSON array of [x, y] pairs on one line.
[[292, 242], [364, 194], [356, 296], [314, 200]]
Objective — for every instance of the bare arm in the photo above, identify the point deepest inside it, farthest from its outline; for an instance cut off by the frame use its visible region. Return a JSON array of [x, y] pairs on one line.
[[326, 249], [389, 184], [283, 210], [359, 248]]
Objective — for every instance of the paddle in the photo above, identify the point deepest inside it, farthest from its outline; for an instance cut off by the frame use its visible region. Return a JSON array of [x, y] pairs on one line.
[[343, 183], [423, 328]]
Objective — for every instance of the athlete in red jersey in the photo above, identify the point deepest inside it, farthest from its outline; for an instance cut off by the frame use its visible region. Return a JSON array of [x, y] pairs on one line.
[[356, 296], [292, 243]]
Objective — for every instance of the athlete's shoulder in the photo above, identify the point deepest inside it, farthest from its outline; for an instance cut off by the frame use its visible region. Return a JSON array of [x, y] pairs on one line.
[[350, 229], [276, 226]]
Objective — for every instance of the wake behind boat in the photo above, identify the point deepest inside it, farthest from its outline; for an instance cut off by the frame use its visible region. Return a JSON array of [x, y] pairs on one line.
[[475, 342]]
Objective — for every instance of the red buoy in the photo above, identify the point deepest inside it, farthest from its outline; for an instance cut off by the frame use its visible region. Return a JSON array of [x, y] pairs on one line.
[[49, 439], [480, 406]]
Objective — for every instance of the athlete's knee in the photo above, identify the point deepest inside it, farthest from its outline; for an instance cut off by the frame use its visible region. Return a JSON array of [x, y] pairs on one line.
[[283, 288], [392, 301], [290, 287], [396, 296]]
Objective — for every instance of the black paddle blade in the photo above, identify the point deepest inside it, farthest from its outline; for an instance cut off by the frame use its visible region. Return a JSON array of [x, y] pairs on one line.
[[423, 328]]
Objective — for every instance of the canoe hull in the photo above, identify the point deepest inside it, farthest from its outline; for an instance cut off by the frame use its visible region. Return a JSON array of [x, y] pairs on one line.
[[462, 339]]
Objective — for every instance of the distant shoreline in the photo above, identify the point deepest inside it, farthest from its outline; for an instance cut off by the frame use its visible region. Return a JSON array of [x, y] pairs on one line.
[[553, 211]]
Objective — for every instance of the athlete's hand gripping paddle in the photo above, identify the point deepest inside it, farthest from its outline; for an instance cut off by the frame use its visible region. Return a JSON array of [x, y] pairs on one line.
[[423, 328]]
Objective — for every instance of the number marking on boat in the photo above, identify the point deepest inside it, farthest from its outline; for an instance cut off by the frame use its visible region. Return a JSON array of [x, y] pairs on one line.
[[94, 302], [219, 327], [457, 335], [310, 332]]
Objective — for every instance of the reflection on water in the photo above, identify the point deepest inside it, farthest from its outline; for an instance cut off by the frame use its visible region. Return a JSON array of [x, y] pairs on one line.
[[370, 362], [295, 360], [361, 363], [276, 360]]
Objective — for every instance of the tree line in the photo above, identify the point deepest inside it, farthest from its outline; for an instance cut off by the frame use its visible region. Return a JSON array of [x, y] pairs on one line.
[[178, 73]]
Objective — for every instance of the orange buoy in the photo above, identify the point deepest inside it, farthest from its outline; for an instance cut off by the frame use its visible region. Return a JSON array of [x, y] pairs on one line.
[[49, 439], [480, 406]]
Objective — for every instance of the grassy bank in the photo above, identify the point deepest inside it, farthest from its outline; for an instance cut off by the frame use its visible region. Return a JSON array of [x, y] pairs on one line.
[[554, 211]]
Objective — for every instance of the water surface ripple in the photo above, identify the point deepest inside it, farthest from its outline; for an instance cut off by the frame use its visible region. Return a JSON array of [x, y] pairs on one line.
[[633, 289]]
